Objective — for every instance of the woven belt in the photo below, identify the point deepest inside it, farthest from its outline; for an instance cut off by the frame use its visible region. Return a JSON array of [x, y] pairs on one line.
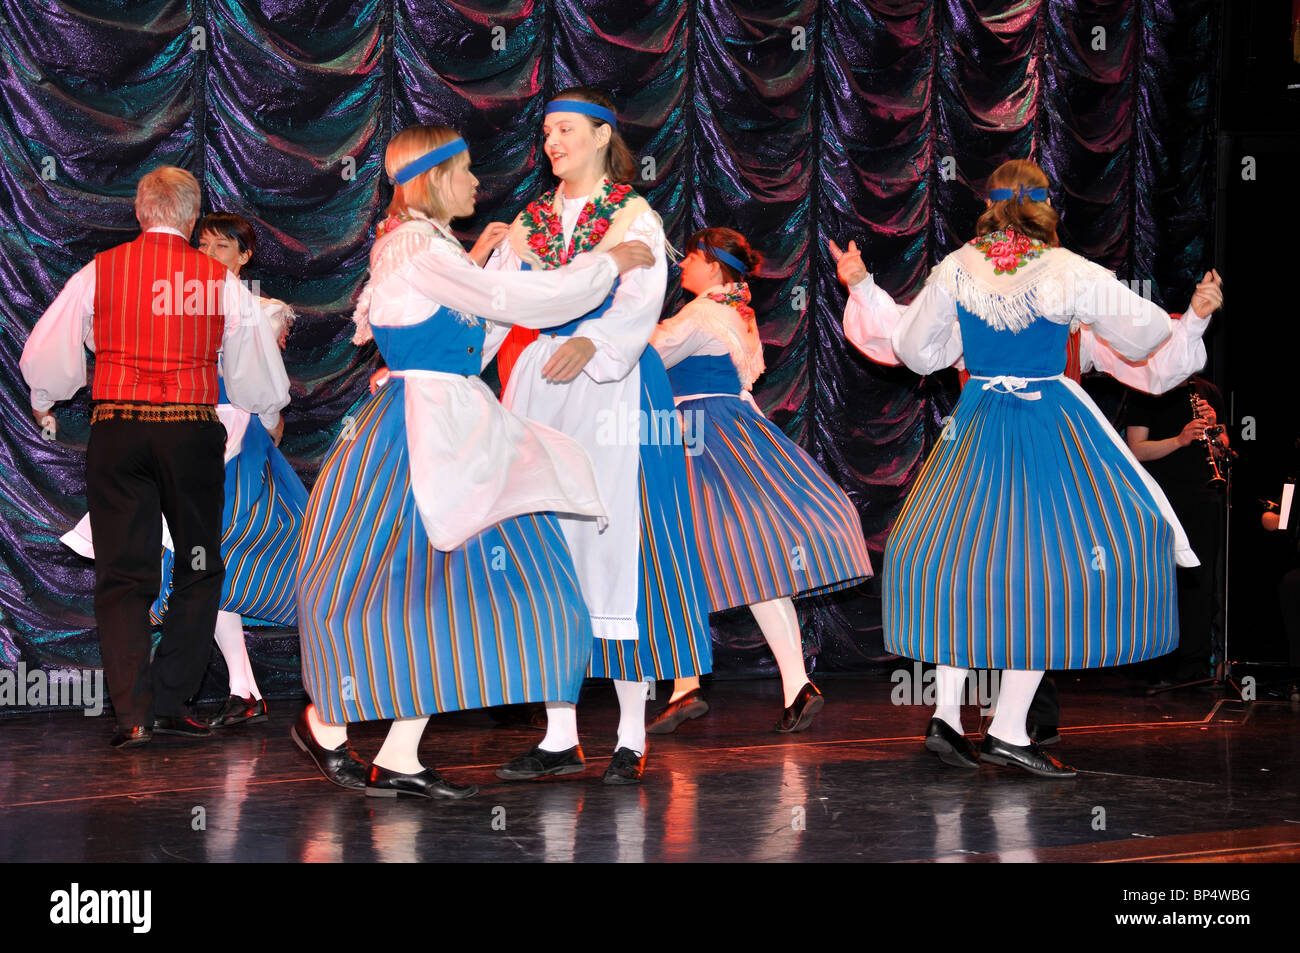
[[153, 413]]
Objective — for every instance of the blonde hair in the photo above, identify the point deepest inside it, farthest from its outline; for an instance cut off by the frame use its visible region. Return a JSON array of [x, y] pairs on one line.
[[1029, 218], [420, 193], [167, 196]]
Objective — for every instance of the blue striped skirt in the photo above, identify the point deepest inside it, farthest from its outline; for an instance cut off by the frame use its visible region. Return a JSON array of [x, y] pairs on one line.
[[769, 521], [672, 603], [261, 526], [1029, 541], [392, 628]]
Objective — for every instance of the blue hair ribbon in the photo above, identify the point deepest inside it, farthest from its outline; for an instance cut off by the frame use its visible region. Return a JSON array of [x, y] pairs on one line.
[[586, 109], [726, 256], [1001, 195], [430, 159]]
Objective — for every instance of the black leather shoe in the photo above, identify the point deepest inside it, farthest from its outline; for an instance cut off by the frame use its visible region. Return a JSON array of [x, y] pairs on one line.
[[626, 767], [381, 782], [239, 711], [134, 736], [340, 765], [1029, 757], [1044, 735], [538, 764], [691, 705], [181, 725], [799, 716], [951, 747]]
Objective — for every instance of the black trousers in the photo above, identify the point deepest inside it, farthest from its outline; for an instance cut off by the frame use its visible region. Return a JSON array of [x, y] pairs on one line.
[[1200, 587], [137, 472]]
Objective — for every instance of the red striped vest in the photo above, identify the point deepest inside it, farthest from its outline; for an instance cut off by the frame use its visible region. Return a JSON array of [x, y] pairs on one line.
[[158, 322]]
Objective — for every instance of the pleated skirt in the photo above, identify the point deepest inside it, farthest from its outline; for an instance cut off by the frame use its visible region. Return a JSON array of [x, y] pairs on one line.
[[261, 527], [392, 628], [1029, 541], [672, 600], [769, 522]]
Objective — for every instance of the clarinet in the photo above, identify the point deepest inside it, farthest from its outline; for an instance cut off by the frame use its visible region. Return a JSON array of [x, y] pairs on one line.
[[1215, 458]]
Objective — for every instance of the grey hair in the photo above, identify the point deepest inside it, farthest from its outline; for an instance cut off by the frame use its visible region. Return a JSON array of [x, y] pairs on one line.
[[167, 196]]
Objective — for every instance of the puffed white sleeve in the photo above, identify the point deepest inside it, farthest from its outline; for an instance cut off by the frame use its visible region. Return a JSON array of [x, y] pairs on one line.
[[250, 356], [928, 337], [870, 317], [532, 299], [678, 338], [623, 331], [1128, 323], [54, 357], [1177, 359]]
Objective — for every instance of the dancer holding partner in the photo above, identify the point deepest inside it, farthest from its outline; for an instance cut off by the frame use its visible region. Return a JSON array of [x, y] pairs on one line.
[[594, 379], [433, 574]]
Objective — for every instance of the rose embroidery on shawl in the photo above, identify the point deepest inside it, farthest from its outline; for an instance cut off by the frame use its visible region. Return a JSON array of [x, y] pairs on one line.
[[1008, 250], [545, 231]]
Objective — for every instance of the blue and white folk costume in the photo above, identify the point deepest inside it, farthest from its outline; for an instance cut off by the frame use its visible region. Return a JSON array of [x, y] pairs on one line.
[[642, 576], [433, 574], [769, 522], [1032, 539]]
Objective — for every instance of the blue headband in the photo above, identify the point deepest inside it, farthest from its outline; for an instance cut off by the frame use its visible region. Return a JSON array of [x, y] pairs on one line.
[[727, 257], [430, 159], [587, 109], [1001, 195]]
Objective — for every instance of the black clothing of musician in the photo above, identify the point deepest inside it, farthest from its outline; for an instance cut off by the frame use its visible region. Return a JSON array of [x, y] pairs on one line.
[[1153, 425]]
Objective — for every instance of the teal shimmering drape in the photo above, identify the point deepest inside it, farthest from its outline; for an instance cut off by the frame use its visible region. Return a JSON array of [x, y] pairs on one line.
[[795, 123]]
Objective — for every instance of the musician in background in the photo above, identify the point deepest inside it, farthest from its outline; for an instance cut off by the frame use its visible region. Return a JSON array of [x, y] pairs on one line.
[[1167, 433]]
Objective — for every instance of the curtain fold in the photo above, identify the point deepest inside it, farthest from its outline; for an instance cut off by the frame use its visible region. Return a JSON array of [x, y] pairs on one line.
[[795, 123]]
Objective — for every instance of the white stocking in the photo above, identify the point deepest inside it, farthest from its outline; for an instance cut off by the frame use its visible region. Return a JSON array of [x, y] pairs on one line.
[[1015, 695], [230, 640], [631, 714], [780, 626], [401, 748], [949, 684], [561, 727]]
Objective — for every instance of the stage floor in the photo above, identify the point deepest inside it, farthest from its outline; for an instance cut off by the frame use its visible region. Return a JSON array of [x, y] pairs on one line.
[[1178, 777]]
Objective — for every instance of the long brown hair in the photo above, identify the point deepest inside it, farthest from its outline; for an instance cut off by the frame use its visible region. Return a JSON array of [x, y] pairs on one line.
[[1024, 215], [620, 167]]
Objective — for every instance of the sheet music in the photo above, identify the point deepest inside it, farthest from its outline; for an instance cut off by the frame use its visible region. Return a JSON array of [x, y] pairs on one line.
[[1284, 514]]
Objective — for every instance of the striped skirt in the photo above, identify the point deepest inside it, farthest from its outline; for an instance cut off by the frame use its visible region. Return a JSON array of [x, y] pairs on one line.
[[392, 628], [1029, 541], [262, 523], [769, 521], [672, 602]]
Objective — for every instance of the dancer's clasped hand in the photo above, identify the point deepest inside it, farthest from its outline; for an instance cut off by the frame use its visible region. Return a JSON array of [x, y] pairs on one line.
[[848, 263]]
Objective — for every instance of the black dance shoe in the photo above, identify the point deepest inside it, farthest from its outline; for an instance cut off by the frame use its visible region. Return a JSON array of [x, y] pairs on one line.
[[538, 764], [381, 782], [340, 765], [1029, 757], [1044, 735], [239, 711], [799, 716], [951, 746], [626, 767], [131, 736], [691, 705], [182, 726]]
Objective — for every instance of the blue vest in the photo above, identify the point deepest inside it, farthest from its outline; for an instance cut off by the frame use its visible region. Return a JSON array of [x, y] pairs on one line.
[[704, 374], [439, 343]]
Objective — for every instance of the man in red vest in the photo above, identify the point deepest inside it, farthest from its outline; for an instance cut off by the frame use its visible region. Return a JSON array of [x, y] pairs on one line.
[[157, 313]]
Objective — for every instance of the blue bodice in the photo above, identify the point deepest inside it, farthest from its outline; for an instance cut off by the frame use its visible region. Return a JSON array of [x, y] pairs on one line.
[[704, 374], [439, 343], [1036, 351]]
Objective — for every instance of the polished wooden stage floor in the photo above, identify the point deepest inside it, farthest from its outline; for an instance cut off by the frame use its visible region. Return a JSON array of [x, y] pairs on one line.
[[1188, 776]]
